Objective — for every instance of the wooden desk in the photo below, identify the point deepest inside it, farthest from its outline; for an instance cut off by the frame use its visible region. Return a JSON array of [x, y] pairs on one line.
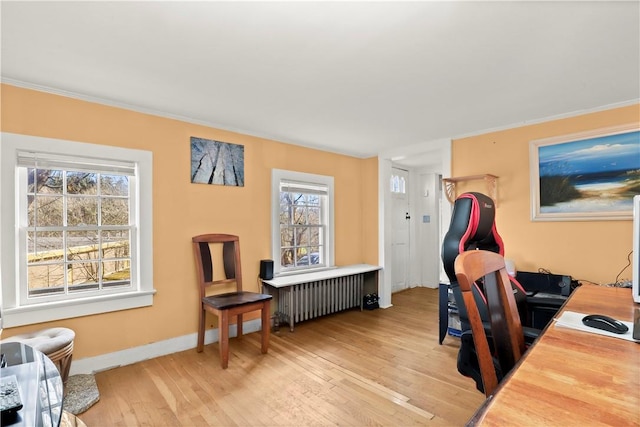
[[571, 377]]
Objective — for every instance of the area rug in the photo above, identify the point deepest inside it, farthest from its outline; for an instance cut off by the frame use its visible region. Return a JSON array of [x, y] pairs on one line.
[[80, 393]]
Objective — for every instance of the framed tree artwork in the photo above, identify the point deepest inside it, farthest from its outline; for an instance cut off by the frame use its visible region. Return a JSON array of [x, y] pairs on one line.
[[215, 162]]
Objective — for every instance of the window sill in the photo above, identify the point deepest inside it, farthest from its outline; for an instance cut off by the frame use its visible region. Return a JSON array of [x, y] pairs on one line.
[[46, 312], [331, 273]]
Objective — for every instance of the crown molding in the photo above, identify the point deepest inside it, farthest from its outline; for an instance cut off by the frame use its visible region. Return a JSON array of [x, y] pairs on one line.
[[167, 115]]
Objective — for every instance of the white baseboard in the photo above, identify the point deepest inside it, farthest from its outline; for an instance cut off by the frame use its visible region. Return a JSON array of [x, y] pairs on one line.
[[103, 362]]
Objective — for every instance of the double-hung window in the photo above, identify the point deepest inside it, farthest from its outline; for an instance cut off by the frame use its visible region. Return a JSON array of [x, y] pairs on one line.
[[302, 221], [77, 227]]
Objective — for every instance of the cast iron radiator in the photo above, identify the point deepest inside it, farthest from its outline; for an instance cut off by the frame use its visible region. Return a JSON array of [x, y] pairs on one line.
[[309, 300]]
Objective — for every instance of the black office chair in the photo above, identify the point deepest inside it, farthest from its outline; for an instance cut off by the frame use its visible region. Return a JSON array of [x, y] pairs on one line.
[[473, 227]]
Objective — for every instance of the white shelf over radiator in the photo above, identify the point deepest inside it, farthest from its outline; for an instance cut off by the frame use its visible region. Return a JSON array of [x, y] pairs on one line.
[[314, 276]]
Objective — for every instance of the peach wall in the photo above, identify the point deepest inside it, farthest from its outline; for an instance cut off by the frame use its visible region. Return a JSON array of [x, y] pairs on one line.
[[182, 209], [369, 212], [594, 251]]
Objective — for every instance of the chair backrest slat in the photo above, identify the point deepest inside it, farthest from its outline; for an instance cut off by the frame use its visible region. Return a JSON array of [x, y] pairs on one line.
[[207, 263], [230, 259], [506, 329]]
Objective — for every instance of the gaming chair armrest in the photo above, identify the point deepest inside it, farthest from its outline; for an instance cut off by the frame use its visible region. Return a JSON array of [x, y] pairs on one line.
[[530, 335], [549, 301]]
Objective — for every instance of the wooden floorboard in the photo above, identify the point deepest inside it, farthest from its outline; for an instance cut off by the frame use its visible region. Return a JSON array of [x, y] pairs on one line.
[[373, 368]]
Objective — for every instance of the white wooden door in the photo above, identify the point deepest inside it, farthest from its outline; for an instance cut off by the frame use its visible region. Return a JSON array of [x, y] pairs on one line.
[[400, 233]]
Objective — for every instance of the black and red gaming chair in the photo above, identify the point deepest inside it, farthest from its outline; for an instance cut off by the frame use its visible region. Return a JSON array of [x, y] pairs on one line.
[[473, 227]]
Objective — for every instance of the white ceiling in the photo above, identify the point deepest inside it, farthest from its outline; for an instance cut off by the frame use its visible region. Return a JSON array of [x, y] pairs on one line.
[[352, 77]]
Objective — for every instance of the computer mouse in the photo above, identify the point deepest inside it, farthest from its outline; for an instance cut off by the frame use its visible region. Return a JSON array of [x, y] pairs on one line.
[[606, 323]]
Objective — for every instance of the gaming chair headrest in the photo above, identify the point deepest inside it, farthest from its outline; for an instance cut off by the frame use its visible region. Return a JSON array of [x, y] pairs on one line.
[[472, 227], [482, 216]]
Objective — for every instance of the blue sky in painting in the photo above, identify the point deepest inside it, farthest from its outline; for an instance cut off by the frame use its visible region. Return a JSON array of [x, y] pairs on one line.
[[602, 154]]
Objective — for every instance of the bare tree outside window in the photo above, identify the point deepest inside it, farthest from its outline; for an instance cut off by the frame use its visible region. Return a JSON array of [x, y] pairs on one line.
[[301, 229], [78, 235]]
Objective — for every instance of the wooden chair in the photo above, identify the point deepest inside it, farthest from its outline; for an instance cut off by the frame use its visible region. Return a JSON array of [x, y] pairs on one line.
[[506, 329], [234, 303]]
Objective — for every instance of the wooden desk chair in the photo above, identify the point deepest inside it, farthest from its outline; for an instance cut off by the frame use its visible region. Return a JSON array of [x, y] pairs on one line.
[[234, 303], [506, 329]]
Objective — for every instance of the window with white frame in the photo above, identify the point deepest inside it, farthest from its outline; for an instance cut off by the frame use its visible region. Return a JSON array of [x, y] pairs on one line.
[[302, 221], [75, 229], [398, 184]]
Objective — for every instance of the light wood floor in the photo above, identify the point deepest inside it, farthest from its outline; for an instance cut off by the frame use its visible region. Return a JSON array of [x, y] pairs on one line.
[[380, 367]]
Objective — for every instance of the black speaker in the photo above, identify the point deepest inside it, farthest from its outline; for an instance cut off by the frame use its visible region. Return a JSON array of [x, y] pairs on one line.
[[266, 269]]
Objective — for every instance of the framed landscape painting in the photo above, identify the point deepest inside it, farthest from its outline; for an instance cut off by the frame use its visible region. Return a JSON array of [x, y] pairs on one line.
[[587, 176]]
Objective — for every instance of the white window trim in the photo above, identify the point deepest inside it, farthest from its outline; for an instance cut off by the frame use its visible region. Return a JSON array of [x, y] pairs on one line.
[[13, 314], [277, 175]]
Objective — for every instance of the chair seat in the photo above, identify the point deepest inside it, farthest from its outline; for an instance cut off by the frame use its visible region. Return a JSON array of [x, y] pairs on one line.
[[234, 299], [46, 341]]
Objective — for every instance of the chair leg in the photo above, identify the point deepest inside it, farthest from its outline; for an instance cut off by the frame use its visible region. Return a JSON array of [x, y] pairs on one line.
[[266, 326], [65, 366], [200, 346], [62, 359], [223, 334], [239, 324]]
